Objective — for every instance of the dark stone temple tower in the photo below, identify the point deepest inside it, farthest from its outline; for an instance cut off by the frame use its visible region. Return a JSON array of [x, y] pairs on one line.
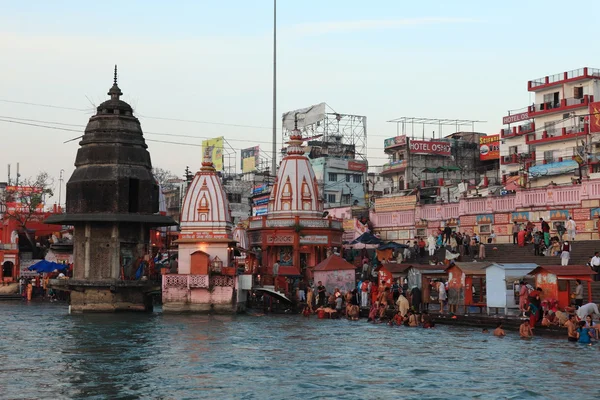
[[112, 202]]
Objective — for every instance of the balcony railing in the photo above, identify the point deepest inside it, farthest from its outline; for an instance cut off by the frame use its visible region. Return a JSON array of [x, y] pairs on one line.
[[580, 73], [556, 133], [560, 105], [517, 158]]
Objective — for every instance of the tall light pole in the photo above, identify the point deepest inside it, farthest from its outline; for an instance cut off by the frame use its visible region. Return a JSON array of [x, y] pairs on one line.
[[60, 181], [274, 161]]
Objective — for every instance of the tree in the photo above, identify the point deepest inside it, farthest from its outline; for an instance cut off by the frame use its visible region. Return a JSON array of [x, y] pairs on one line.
[[25, 202], [164, 178]]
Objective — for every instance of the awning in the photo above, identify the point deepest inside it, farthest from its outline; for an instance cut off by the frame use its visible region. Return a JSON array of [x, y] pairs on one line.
[[272, 293], [441, 169]]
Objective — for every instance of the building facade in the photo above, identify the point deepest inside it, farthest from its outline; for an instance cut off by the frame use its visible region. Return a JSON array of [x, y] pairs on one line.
[[550, 141]]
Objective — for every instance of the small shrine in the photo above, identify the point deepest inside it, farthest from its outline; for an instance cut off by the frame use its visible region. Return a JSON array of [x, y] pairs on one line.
[[208, 278], [296, 234]]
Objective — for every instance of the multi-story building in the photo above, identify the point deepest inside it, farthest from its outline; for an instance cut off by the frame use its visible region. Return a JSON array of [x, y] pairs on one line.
[[342, 181], [553, 141], [433, 164]]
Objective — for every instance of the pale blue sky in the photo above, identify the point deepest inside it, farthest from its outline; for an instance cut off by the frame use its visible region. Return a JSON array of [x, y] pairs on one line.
[[211, 61]]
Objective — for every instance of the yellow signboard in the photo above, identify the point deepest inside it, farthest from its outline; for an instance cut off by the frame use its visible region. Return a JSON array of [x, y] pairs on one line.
[[216, 151], [396, 203]]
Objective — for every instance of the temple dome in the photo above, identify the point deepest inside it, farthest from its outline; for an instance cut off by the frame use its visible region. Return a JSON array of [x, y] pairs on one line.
[[295, 191], [205, 212]]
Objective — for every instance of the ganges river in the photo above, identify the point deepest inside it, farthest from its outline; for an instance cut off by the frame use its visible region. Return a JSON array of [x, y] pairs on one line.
[[46, 353]]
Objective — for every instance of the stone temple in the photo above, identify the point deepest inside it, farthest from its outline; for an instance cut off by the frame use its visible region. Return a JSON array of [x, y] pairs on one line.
[[112, 202]]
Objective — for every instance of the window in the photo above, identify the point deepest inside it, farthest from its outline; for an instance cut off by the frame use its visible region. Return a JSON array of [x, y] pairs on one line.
[[331, 198], [346, 198], [134, 193], [332, 177], [550, 128], [357, 178], [348, 177], [513, 150], [234, 197], [549, 155], [578, 92]]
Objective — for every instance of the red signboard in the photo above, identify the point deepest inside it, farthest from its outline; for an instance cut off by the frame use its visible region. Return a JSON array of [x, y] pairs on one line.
[[501, 219], [581, 214], [595, 117], [489, 147], [467, 220], [511, 119], [357, 166], [425, 147]]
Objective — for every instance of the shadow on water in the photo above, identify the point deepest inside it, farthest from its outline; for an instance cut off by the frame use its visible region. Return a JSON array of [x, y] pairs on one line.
[[129, 356]]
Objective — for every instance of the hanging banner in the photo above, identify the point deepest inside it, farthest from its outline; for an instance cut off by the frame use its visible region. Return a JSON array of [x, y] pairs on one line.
[[249, 159], [489, 147], [426, 147], [396, 203], [215, 148], [595, 117]]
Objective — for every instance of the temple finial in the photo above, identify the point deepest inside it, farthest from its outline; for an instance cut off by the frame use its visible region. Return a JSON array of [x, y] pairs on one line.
[[115, 81]]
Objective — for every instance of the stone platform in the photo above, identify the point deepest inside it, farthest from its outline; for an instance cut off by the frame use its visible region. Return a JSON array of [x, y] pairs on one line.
[[107, 295]]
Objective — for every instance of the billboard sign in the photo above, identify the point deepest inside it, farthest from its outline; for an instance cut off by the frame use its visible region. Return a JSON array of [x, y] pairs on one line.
[[395, 141], [511, 119], [249, 159], [489, 147], [428, 147], [396, 203], [215, 150]]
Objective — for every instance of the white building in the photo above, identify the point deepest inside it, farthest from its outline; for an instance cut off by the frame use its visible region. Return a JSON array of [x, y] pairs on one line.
[[542, 142]]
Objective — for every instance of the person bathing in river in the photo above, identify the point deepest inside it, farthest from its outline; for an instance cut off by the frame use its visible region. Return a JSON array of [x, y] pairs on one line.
[[584, 334], [426, 320], [499, 331], [413, 321], [525, 330], [571, 328]]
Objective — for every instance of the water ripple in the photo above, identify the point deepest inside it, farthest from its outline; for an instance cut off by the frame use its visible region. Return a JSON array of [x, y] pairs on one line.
[[45, 353]]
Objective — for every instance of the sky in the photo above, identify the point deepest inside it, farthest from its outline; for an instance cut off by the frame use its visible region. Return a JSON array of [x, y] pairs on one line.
[[211, 62]]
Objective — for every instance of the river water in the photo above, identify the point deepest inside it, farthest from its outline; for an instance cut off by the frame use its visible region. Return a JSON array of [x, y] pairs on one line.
[[46, 353]]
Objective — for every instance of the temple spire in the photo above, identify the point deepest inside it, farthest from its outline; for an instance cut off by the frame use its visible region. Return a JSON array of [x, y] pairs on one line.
[[114, 92]]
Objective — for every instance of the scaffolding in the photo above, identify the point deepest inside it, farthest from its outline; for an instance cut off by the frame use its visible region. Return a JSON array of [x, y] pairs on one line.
[[406, 126], [334, 130]]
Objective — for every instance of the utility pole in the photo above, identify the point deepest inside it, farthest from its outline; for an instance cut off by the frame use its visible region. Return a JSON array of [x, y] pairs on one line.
[[274, 161]]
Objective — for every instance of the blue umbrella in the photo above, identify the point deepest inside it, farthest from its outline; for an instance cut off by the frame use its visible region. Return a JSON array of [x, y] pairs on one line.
[[47, 266]]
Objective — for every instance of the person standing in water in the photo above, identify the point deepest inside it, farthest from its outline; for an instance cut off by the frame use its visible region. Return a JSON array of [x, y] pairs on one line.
[[525, 330]]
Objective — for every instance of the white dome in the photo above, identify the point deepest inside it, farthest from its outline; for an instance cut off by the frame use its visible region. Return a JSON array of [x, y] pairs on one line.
[[295, 191], [206, 212]]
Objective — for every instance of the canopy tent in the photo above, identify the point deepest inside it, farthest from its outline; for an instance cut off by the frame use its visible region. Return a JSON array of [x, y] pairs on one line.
[[392, 245], [367, 238], [47, 266]]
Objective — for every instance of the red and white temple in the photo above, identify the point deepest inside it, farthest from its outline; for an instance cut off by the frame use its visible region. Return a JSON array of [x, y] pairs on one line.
[[207, 278], [295, 233]]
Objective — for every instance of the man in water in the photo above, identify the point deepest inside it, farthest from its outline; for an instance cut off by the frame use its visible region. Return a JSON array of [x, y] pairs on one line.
[[525, 330], [403, 305], [571, 329], [499, 331], [321, 294]]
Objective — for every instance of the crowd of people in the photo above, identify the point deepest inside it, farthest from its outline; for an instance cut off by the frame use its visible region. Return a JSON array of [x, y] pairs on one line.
[[397, 305]]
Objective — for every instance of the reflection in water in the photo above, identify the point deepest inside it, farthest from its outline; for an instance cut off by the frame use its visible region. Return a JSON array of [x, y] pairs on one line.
[[45, 353]]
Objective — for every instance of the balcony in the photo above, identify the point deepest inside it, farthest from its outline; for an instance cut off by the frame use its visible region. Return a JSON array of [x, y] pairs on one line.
[[562, 105], [559, 79], [517, 130], [394, 167], [517, 158], [557, 134]]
